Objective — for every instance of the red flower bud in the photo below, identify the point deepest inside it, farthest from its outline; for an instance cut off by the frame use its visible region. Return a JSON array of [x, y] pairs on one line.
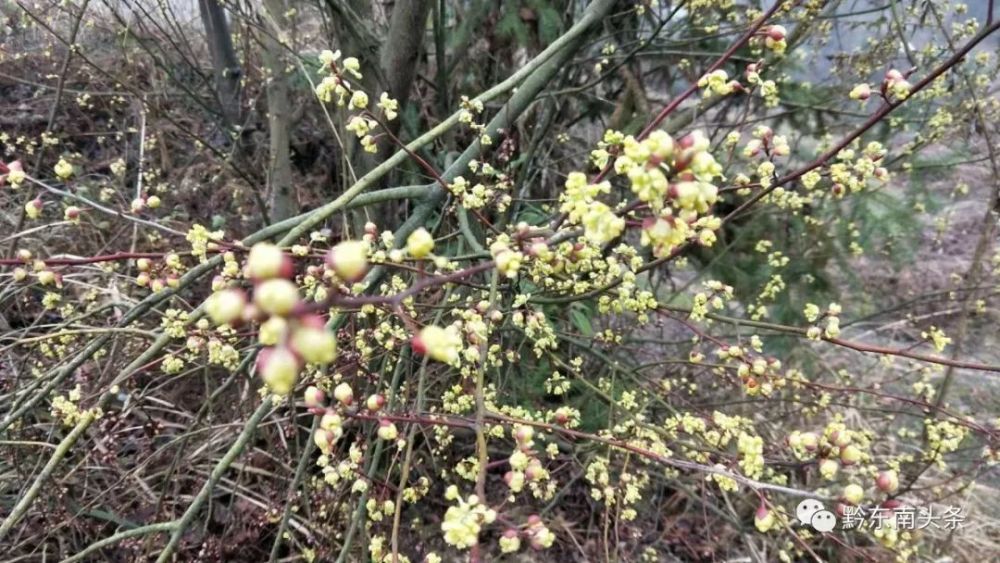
[[375, 402], [887, 481]]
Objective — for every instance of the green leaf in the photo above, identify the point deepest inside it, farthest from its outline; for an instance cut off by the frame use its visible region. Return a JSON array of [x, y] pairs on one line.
[[581, 320]]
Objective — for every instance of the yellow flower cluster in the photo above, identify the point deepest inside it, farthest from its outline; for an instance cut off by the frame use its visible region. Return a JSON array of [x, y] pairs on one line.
[[202, 240], [464, 520], [717, 82], [338, 85]]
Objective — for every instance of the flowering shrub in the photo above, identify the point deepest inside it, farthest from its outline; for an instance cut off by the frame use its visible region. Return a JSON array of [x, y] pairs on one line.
[[652, 341]]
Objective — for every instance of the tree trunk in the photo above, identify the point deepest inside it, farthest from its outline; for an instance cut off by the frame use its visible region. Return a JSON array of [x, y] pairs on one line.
[[402, 48], [224, 61], [282, 202]]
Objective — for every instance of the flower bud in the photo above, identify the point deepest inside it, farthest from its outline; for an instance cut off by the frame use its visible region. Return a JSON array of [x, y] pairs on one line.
[[375, 402], [828, 469], [849, 455], [860, 92], [20, 274], [63, 169], [794, 439], [510, 541], [776, 32], [561, 416], [763, 519], [314, 345], [349, 260], [535, 471], [331, 422], [840, 438], [72, 213], [279, 369], [224, 307], [887, 481], [252, 313], [153, 201], [276, 296], [46, 277], [540, 537], [33, 208], [24, 255], [137, 205], [142, 280], [524, 434], [344, 394], [387, 430], [142, 264], [420, 243], [314, 398], [273, 331], [324, 440], [514, 480], [267, 261], [440, 344], [809, 441], [853, 494]]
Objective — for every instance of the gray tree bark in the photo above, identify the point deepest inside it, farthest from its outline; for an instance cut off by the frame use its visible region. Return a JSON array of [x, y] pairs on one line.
[[402, 48], [282, 202], [224, 62]]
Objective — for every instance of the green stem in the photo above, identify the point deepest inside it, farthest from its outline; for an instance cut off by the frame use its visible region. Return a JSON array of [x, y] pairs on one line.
[[234, 451], [157, 528]]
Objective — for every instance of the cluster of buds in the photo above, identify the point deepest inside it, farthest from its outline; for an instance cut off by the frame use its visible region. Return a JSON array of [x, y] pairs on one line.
[[538, 535], [160, 276], [672, 178], [337, 87], [331, 415], [836, 447], [525, 467], [853, 494], [508, 260], [831, 316], [43, 274], [895, 86], [767, 142], [292, 337], [758, 375]]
